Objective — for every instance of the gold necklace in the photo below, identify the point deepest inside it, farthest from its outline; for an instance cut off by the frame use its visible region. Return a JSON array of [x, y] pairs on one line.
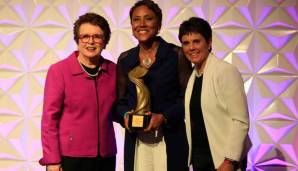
[[147, 61]]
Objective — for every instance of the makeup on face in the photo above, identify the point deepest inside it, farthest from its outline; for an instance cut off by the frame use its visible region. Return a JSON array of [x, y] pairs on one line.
[[91, 41], [195, 48], [144, 24]]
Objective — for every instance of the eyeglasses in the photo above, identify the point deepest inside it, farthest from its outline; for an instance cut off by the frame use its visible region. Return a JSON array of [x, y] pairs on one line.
[[97, 38]]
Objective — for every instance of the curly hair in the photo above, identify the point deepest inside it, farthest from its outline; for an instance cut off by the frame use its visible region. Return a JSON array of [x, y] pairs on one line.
[[195, 25], [149, 4], [93, 19]]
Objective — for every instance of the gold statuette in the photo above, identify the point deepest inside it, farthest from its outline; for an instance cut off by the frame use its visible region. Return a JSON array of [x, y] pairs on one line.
[[138, 119]]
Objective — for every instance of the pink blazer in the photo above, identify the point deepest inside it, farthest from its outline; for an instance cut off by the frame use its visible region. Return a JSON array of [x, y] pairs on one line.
[[77, 117]]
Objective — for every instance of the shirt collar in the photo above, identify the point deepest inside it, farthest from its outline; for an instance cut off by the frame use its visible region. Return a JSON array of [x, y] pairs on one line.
[[77, 69]]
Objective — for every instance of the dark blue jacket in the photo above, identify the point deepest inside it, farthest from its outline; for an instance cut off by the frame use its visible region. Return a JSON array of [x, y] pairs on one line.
[[166, 81]]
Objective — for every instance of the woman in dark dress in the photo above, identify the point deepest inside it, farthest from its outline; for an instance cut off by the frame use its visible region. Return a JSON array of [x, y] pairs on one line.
[[162, 145]]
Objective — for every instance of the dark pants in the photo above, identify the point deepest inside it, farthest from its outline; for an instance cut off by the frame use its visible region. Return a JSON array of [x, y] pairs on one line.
[[202, 160], [88, 164], [204, 169], [243, 164], [208, 165]]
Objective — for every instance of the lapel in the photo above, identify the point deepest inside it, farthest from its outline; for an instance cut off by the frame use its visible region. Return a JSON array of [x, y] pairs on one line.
[[207, 73], [188, 92]]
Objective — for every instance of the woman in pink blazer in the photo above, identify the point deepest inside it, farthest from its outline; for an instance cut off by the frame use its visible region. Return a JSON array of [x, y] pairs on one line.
[[216, 114], [77, 123]]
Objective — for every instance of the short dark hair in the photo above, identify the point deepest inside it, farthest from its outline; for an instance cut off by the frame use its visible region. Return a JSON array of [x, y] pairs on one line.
[[93, 19], [195, 25], [149, 4]]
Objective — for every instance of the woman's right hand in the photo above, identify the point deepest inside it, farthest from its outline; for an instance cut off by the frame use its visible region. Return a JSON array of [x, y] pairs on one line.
[[55, 167], [126, 120]]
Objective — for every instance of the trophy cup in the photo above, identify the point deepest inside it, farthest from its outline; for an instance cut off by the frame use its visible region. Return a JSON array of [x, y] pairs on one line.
[[138, 120]]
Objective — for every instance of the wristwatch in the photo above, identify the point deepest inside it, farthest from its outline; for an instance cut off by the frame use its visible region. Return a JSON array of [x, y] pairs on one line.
[[232, 162]]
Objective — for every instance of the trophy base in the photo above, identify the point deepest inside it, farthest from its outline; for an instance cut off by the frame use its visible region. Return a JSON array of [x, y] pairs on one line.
[[138, 122]]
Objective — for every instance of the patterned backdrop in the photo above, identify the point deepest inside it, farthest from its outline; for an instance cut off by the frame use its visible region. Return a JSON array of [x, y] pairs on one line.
[[258, 36]]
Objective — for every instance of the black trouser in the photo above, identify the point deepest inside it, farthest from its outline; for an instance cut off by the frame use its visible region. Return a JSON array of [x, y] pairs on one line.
[[243, 164], [210, 166], [202, 160], [88, 164]]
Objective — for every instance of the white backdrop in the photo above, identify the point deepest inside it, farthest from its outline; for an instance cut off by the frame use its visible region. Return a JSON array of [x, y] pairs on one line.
[[258, 36]]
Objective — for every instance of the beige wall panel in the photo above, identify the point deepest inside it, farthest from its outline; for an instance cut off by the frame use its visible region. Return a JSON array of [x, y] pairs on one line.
[[258, 36]]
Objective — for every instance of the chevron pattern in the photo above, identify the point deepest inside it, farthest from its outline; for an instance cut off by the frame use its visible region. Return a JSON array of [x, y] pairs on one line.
[[258, 36]]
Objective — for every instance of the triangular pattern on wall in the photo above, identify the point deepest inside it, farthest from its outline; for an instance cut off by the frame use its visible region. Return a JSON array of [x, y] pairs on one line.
[[259, 37]]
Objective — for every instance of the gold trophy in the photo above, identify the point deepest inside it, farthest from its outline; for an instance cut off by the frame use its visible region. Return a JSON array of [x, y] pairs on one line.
[[137, 119]]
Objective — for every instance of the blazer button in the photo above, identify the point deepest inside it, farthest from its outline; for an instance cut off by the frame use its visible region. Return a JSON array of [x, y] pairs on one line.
[[70, 138]]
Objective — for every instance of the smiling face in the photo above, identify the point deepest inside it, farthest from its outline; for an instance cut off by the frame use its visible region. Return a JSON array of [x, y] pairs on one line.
[[95, 44], [144, 24], [196, 48]]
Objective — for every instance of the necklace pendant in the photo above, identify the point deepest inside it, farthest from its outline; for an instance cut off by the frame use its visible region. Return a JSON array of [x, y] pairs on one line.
[[147, 62]]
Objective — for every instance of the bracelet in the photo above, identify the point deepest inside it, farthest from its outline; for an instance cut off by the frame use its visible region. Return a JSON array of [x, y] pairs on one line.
[[231, 162], [125, 114]]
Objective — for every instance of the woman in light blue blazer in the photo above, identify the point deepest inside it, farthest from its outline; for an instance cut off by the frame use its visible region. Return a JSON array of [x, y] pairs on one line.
[[216, 114]]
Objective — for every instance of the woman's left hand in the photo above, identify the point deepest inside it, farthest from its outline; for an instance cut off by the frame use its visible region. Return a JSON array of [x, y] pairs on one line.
[[156, 120], [226, 167]]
